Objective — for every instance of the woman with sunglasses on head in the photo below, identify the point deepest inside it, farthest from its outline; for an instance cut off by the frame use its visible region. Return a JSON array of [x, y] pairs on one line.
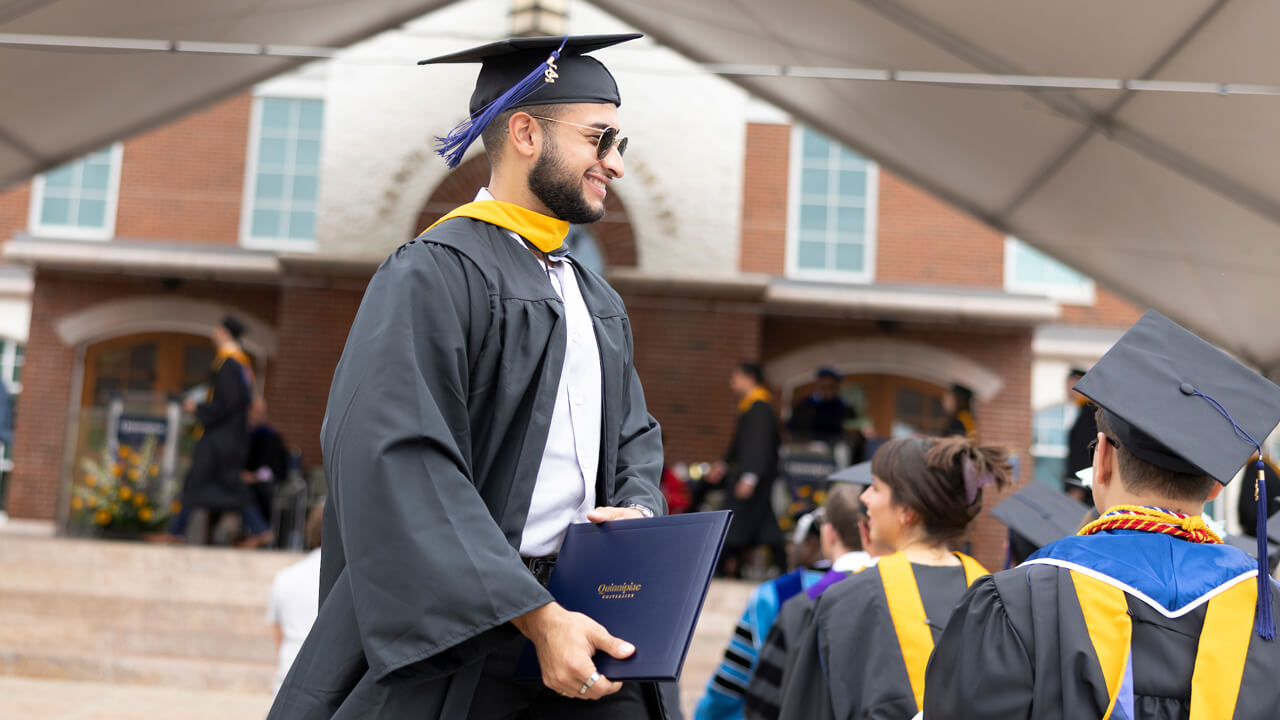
[[865, 651]]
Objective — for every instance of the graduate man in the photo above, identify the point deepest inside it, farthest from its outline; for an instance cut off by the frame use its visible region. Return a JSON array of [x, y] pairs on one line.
[[485, 400], [1145, 613]]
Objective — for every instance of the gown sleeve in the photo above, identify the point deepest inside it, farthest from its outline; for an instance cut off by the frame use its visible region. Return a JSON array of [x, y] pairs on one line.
[[980, 667], [429, 570]]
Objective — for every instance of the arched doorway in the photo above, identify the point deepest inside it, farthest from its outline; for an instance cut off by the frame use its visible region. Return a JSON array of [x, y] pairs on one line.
[[611, 240], [158, 364], [887, 405]]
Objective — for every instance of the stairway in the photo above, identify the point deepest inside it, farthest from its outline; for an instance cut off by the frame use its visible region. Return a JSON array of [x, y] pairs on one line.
[[115, 630], [183, 626]]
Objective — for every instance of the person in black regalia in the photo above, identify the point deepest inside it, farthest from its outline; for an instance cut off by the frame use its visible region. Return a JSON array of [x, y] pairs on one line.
[[1079, 438], [864, 651], [1145, 614], [485, 400], [748, 471], [213, 483]]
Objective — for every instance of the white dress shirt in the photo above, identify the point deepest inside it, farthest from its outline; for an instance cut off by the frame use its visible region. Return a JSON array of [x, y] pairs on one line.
[[565, 490]]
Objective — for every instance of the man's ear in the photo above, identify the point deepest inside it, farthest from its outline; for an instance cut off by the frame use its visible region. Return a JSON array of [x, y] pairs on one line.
[[1216, 490], [525, 134], [1104, 457]]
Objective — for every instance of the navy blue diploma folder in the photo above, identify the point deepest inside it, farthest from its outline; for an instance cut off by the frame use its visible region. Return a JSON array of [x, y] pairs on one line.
[[644, 580]]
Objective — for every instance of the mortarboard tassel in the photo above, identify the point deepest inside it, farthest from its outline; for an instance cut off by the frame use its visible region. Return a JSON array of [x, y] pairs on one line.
[[454, 145], [1266, 623]]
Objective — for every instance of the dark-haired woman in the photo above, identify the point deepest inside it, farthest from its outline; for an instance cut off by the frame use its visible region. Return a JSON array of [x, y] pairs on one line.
[[958, 403], [865, 651]]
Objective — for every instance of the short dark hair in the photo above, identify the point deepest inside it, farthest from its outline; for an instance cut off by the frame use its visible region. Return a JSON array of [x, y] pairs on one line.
[[495, 133], [1076, 372], [843, 511], [1142, 478], [963, 396], [753, 370], [927, 476]]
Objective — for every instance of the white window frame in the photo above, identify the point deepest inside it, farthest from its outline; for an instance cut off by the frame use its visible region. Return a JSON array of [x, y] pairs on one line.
[[1054, 451], [72, 232], [295, 90], [871, 210], [1083, 294]]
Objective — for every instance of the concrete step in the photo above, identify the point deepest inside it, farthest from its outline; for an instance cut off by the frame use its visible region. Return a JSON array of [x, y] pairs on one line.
[[251, 644], [133, 612], [173, 672], [45, 699], [138, 570]]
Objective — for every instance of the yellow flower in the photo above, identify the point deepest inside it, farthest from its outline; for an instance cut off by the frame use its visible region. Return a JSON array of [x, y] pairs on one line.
[[133, 473], [140, 499], [805, 490], [175, 506], [153, 470], [93, 502], [90, 481], [116, 470], [819, 497], [115, 508], [102, 517], [76, 503], [125, 492], [145, 514], [125, 451]]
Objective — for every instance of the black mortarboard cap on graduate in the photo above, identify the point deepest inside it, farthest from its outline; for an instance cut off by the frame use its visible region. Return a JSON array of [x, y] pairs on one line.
[[233, 325], [1041, 514], [859, 474], [1181, 404], [519, 72]]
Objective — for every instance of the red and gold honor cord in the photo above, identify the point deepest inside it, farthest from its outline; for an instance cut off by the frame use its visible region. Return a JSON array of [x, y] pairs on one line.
[[1153, 519]]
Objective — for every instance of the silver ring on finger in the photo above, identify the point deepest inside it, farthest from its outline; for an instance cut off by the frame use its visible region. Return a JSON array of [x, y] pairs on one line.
[[595, 677]]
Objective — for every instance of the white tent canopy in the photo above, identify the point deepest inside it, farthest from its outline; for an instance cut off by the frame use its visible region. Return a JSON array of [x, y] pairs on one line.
[[1169, 198]]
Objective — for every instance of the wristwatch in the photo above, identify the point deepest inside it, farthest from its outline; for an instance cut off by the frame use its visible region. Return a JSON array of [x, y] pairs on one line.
[[643, 510]]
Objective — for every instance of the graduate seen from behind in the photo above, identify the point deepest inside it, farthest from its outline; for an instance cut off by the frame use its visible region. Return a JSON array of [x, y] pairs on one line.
[[485, 400], [864, 652], [1145, 614]]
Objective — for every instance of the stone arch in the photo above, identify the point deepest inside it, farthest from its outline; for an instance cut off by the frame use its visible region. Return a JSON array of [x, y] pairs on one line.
[[160, 313], [613, 234], [889, 357]]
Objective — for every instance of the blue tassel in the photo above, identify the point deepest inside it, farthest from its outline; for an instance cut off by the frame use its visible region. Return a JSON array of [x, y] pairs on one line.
[[1266, 623], [454, 145]]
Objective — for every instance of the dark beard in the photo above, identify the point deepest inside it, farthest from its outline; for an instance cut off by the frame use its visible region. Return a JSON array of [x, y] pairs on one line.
[[562, 193]]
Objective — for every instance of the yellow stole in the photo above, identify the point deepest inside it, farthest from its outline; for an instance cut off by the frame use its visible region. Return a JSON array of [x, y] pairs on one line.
[[545, 232], [1220, 656], [757, 394], [910, 623], [237, 355], [970, 427]]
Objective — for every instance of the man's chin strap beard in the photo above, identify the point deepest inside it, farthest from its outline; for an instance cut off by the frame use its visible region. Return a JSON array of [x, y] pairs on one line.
[[562, 194]]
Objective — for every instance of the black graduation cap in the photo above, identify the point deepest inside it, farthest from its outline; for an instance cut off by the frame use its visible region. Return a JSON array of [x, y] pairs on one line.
[[518, 72], [1179, 403], [233, 325], [859, 474], [1041, 514]]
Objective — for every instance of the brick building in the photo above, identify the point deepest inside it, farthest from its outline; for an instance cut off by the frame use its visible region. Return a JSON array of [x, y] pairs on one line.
[[735, 235]]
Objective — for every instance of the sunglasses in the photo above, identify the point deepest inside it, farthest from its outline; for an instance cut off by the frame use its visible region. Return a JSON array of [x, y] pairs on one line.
[[608, 137], [1093, 444]]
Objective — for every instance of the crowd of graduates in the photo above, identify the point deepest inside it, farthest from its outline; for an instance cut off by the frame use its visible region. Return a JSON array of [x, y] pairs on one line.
[[1118, 599]]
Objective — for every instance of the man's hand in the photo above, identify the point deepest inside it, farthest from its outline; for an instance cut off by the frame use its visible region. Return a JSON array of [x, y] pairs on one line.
[[743, 489], [189, 405], [605, 514], [565, 642]]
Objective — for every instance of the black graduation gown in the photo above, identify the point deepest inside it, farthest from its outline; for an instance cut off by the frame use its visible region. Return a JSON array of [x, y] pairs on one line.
[[849, 663], [1083, 431], [214, 482], [434, 431], [754, 449], [763, 698], [1017, 647]]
